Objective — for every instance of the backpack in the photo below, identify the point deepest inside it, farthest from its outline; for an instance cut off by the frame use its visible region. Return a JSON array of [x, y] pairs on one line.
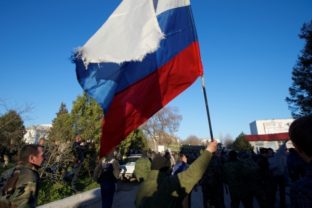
[[97, 172], [104, 171], [8, 186]]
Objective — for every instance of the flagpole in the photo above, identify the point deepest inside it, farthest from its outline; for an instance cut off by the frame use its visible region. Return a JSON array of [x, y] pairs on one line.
[[207, 108], [203, 86]]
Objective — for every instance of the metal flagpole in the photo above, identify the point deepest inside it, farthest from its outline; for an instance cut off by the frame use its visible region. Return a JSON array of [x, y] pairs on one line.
[[207, 109], [203, 87]]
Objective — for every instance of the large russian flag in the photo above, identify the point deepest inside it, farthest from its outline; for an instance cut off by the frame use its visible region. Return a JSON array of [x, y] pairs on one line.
[[143, 56]]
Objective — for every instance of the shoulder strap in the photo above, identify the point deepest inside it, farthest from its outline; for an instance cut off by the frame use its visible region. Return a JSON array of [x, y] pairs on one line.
[[97, 172]]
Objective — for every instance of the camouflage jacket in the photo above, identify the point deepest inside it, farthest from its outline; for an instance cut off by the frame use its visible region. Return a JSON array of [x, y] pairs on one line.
[[23, 191], [142, 168], [161, 189]]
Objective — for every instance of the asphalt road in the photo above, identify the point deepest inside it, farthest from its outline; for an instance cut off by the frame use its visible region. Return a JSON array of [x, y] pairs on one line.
[[126, 192]]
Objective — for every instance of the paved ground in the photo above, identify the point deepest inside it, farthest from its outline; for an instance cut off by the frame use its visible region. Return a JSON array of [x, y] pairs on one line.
[[125, 196], [126, 192]]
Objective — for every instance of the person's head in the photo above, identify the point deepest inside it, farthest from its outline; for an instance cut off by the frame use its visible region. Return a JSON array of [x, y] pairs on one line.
[[300, 133], [83, 143], [292, 150], [32, 154], [167, 154], [41, 141], [160, 163], [78, 138], [270, 152], [183, 157], [263, 151], [232, 155]]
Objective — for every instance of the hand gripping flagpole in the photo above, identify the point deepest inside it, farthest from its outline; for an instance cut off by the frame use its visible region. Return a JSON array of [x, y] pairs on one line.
[[207, 108]]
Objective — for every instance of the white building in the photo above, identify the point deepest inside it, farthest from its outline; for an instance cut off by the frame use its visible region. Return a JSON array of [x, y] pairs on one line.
[[270, 133], [34, 133], [272, 126], [273, 141]]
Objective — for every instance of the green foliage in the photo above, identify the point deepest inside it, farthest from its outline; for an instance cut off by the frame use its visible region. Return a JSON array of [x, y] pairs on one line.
[[49, 192], [12, 129], [241, 144], [87, 184], [135, 140], [87, 118], [142, 168], [84, 119], [300, 99], [62, 110], [61, 126]]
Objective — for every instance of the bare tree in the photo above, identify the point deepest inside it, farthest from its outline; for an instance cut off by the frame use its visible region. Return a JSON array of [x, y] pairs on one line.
[[21, 111], [167, 139], [192, 140], [163, 123], [59, 158]]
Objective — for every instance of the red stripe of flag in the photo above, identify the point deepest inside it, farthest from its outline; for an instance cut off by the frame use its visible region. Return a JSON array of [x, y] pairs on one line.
[[133, 106]]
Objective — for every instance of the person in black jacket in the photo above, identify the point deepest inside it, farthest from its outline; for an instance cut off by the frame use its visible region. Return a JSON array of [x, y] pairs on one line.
[[300, 133], [106, 174], [79, 152]]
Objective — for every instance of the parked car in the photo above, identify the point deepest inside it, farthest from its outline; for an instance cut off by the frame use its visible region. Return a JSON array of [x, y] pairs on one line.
[[127, 167]]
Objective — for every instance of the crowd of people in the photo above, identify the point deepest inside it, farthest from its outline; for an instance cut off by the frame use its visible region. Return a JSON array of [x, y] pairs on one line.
[[244, 176], [168, 182]]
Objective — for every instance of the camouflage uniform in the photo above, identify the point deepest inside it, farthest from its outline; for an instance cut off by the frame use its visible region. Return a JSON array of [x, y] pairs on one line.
[[24, 193], [161, 189], [142, 168]]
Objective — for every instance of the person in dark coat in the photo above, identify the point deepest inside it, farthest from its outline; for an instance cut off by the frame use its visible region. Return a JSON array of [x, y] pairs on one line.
[[295, 165], [234, 173], [106, 174], [300, 133], [181, 165], [212, 184], [78, 150]]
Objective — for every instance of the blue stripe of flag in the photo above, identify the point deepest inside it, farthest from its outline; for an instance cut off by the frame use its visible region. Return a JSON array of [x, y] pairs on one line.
[[103, 80]]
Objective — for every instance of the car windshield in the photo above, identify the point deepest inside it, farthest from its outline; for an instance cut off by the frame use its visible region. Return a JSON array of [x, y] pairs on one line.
[[130, 159]]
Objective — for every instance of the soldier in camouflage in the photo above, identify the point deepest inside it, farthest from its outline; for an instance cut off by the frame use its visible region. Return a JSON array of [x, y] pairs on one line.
[[161, 189], [19, 185], [142, 167]]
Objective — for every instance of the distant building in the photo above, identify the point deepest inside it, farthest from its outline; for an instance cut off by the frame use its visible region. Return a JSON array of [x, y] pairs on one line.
[[273, 141], [271, 126], [270, 133], [34, 133], [161, 148]]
